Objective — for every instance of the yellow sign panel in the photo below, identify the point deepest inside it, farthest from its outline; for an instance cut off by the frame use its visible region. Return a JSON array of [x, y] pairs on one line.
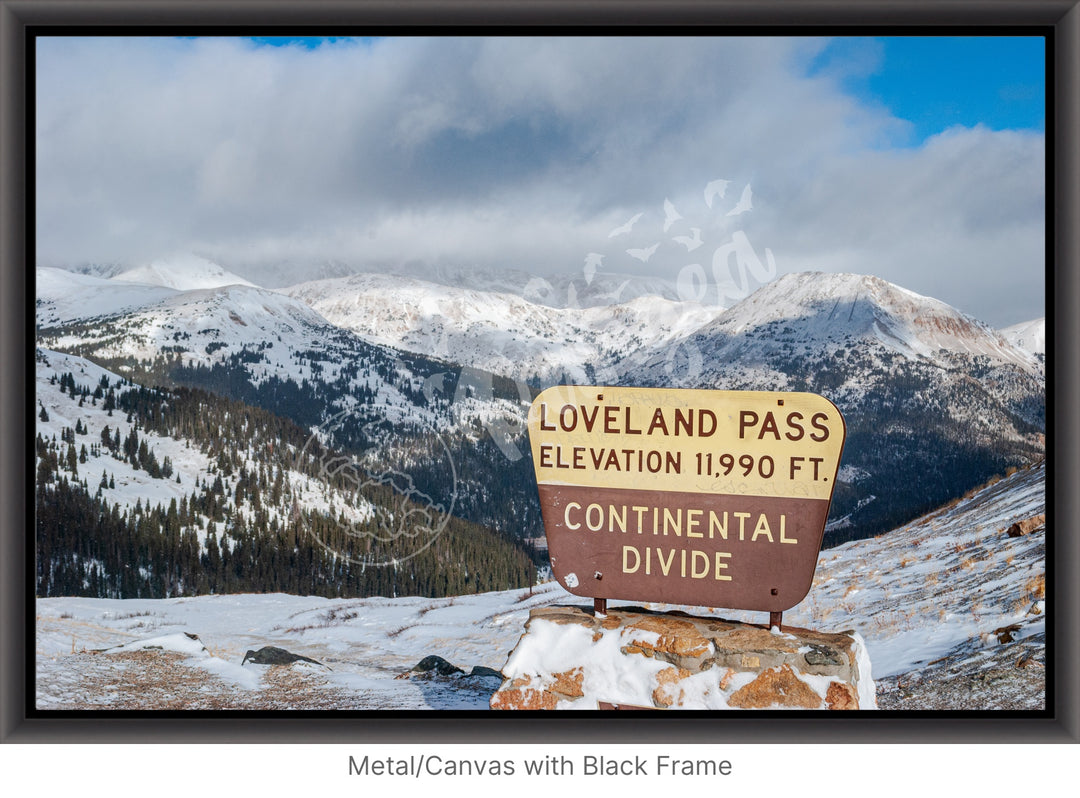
[[747, 443], [715, 498]]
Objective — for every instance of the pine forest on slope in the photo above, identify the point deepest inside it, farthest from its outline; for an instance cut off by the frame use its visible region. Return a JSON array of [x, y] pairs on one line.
[[148, 493]]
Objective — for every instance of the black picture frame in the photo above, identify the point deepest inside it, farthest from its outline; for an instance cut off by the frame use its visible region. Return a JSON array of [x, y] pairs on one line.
[[22, 19]]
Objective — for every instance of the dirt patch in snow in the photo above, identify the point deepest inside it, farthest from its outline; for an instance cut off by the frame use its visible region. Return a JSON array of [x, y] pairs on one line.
[[166, 680]]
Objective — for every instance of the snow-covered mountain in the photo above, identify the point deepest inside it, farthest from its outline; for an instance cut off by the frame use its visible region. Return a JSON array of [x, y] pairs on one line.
[[65, 296], [808, 313], [847, 336], [816, 312], [266, 334], [935, 401], [275, 352], [118, 320], [1029, 336], [182, 272], [500, 332]]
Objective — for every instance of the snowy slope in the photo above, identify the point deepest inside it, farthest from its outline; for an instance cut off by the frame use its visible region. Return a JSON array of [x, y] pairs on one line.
[[1029, 336], [946, 580], [64, 296], [129, 486], [950, 588]]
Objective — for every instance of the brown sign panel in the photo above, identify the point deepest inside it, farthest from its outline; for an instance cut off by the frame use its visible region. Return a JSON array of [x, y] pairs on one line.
[[711, 498]]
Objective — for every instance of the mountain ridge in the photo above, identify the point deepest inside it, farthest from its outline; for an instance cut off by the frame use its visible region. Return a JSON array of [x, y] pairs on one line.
[[935, 401], [866, 306], [495, 331]]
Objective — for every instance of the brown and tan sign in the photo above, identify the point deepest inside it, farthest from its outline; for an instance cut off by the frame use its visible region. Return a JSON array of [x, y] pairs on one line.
[[711, 498]]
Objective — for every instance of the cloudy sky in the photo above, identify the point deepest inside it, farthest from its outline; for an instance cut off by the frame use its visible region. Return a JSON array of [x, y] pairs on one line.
[[920, 161]]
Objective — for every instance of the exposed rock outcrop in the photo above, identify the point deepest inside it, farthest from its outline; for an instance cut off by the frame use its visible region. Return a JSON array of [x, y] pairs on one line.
[[272, 655], [435, 665], [1026, 526]]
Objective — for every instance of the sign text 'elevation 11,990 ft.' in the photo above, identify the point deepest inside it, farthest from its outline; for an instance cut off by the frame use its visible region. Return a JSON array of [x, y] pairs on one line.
[[711, 498]]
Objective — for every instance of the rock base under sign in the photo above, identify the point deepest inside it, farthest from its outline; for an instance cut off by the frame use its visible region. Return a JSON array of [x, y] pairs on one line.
[[632, 658]]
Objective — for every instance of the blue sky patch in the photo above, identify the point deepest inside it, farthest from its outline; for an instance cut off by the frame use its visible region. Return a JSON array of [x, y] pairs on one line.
[[936, 82]]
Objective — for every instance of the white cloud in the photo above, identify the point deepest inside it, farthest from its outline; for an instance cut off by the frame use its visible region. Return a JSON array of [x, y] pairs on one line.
[[518, 152]]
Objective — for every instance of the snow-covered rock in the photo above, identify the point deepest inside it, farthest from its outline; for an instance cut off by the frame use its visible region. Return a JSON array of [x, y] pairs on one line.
[[570, 659]]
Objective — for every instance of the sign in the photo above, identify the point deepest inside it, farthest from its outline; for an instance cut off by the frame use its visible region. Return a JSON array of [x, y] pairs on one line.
[[709, 498]]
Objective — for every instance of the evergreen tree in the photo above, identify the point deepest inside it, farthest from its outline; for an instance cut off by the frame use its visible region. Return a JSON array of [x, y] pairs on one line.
[[72, 460]]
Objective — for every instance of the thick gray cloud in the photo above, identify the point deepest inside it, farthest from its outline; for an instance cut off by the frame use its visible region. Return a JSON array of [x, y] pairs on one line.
[[520, 153]]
